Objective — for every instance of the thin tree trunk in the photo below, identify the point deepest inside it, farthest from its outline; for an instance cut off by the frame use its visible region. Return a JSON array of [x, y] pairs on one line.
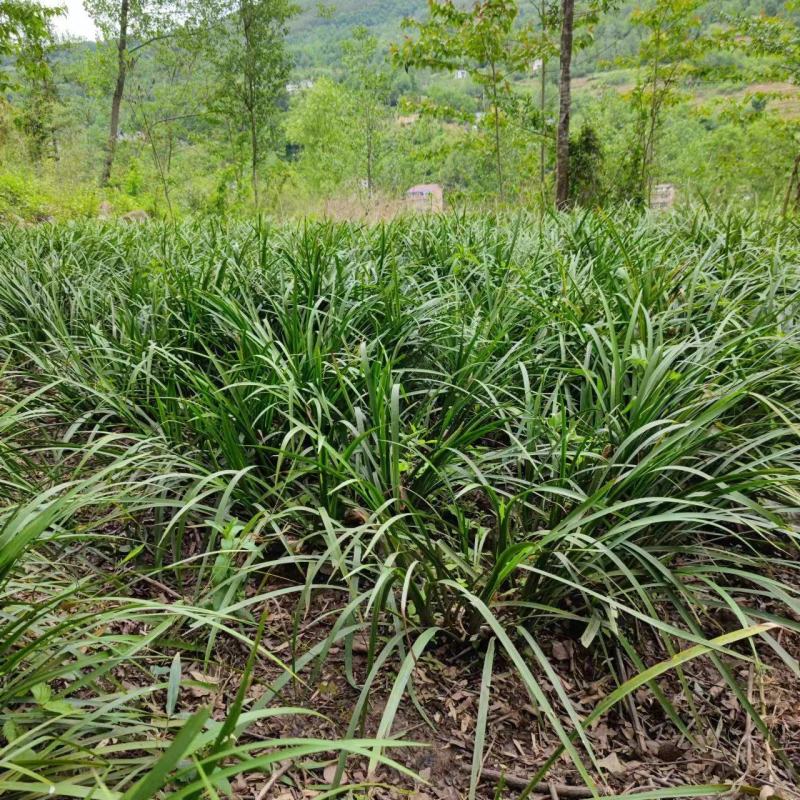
[[542, 100], [247, 16], [565, 104], [649, 144], [369, 166], [254, 154], [119, 91], [794, 179], [542, 143], [369, 131], [497, 153], [158, 162]]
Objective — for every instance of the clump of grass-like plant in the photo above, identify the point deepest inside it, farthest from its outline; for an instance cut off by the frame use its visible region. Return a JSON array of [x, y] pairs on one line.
[[483, 430]]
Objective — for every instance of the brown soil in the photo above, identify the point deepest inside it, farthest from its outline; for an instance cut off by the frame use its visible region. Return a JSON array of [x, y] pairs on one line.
[[636, 745]]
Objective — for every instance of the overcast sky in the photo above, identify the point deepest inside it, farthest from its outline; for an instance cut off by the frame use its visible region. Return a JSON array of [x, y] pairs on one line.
[[75, 22]]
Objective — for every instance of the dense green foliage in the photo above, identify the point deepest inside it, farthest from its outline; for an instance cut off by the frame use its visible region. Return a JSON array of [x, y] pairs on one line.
[[467, 429]]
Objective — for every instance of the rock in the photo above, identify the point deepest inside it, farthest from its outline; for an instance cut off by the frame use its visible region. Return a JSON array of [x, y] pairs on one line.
[[137, 215]]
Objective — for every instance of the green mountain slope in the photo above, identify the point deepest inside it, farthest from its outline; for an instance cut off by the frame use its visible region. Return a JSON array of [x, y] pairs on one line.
[[320, 27]]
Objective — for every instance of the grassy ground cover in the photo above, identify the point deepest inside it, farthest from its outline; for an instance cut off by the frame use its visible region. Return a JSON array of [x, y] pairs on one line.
[[264, 487]]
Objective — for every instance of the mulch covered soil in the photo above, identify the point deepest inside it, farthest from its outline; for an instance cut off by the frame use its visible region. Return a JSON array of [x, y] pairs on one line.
[[637, 746]]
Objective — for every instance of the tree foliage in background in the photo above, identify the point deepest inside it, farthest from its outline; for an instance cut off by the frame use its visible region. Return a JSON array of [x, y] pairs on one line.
[[25, 33], [130, 26], [172, 112], [586, 167], [320, 124], [725, 123], [368, 78], [572, 19], [777, 38]]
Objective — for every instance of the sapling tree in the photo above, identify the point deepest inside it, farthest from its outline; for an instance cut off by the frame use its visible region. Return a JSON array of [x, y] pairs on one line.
[[170, 111], [132, 25], [485, 40], [779, 39], [671, 44], [253, 65], [368, 78], [571, 19], [38, 98], [321, 125]]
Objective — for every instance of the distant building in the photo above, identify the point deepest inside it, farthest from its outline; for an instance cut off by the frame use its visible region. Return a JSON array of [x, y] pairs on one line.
[[461, 74], [136, 136], [408, 119], [425, 197], [293, 88], [663, 196]]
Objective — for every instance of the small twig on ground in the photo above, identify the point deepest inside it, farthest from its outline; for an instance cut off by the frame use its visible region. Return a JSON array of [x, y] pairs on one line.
[[272, 780], [748, 725], [163, 586], [569, 792], [562, 790]]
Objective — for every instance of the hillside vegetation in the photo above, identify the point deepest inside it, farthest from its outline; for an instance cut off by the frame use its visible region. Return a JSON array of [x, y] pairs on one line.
[[341, 123]]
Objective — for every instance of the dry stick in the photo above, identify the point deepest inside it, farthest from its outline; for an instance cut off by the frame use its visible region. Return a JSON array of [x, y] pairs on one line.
[[748, 726], [582, 792], [163, 586], [273, 779], [767, 748], [561, 789]]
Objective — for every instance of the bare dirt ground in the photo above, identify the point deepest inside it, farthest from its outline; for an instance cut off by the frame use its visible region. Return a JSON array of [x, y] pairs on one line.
[[782, 97]]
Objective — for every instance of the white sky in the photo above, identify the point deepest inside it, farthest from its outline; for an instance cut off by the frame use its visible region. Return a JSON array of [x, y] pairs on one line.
[[75, 22]]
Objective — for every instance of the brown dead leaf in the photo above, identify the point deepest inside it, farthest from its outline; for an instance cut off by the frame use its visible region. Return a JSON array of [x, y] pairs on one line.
[[561, 651], [669, 751], [329, 773], [353, 517], [612, 763]]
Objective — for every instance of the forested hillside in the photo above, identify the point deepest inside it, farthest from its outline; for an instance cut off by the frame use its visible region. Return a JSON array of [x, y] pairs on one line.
[[400, 401], [321, 26], [317, 33], [725, 127]]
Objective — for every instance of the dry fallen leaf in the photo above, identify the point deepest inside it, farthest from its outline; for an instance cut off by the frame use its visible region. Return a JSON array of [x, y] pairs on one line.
[[669, 751], [561, 651], [612, 763], [329, 773], [353, 517]]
